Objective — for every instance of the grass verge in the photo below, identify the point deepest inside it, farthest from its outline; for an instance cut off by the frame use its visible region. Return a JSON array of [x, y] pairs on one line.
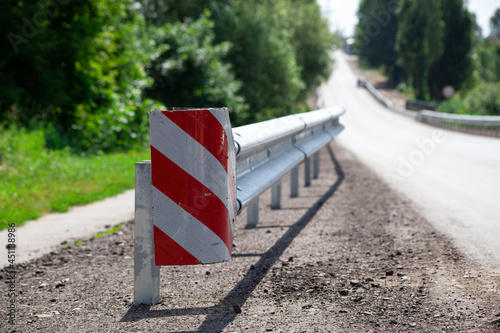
[[35, 180], [108, 232]]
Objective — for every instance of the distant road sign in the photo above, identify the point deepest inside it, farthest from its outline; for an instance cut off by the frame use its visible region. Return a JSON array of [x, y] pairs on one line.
[[448, 91]]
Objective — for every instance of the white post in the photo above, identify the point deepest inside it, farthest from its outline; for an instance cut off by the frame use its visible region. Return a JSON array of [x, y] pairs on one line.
[[307, 172], [253, 213], [316, 165], [276, 195], [294, 182], [146, 273]]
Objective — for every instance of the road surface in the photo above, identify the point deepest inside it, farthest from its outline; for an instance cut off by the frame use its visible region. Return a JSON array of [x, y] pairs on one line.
[[453, 178]]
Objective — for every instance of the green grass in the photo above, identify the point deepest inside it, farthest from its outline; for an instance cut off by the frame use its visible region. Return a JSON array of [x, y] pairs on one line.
[[78, 242], [35, 180], [108, 232]]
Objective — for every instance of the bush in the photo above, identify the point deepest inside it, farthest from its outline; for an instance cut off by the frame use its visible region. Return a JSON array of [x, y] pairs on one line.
[[484, 99], [453, 105], [189, 70]]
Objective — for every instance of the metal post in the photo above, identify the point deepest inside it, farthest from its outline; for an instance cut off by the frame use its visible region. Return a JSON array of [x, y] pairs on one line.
[[146, 273], [294, 181], [316, 165], [276, 195], [307, 172], [253, 213]]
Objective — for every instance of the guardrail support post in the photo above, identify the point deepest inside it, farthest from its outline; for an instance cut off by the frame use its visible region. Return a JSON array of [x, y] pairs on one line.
[[316, 165], [294, 181], [253, 213], [146, 273], [276, 195], [307, 171]]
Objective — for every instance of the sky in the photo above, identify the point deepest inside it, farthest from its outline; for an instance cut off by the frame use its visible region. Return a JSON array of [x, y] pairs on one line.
[[342, 13]]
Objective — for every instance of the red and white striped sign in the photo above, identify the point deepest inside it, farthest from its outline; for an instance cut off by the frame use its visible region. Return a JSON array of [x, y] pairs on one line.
[[193, 177]]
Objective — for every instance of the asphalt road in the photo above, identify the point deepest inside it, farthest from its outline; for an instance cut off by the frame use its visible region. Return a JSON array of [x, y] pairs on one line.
[[453, 178]]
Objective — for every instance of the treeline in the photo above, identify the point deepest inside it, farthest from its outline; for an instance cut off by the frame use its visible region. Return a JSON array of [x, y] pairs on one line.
[[424, 46], [88, 71]]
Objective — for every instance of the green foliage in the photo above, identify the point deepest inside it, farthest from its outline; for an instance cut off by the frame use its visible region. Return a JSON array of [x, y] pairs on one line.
[[77, 242], [36, 180], [78, 77], [495, 21], [484, 99], [452, 105], [278, 50], [312, 41], [419, 41], [82, 72], [486, 62], [454, 67], [189, 70], [83, 68], [108, 232], [262, 56], [115, 117], [376, 36]]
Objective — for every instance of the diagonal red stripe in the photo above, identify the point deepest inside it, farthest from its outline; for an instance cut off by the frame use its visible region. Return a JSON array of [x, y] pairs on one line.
[[202, 126], [168, 252], [191, 195]]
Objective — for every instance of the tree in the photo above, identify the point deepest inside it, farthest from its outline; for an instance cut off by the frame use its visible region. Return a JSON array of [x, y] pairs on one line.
[[376, 36], [455, 64], [78, 68], [419, 41], [262, 56], [495, 24], [312, 41], [189, 71], [87, 69]]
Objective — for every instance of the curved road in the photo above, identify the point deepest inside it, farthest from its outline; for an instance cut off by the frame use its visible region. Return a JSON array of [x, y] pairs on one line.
[[453, 178]]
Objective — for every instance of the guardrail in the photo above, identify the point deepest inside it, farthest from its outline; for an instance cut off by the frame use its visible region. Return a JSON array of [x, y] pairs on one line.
[[475, 124], [485, 125], [362, 82], [474, 120], [265, 152]]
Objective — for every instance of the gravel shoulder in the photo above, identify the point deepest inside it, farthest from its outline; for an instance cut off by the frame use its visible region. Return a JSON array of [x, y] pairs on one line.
[[348, 255]]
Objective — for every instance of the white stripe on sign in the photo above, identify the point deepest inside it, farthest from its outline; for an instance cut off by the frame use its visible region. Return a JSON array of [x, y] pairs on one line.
[[189, 155], [223, 119], [192, 235], [221, 116]]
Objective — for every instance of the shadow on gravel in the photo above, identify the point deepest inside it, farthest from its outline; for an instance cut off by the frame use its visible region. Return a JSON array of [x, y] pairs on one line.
[[222, 314]]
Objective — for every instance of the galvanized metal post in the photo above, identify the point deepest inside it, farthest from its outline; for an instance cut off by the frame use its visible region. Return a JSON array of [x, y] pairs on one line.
[[294, 182], [276, 195], [316, 165], [146, 273], [307, 172], [253, 213]]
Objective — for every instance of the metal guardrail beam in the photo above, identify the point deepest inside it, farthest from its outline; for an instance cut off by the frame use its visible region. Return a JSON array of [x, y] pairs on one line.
[[266, 151], [439, 118], [426, 116], [362, 82]]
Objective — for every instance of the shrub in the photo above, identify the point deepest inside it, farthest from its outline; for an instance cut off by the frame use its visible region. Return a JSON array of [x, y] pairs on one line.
[[484, 99], [453, 105]]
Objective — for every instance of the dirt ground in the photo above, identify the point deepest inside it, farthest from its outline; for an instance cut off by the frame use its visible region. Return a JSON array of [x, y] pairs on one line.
[[348, 255]]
